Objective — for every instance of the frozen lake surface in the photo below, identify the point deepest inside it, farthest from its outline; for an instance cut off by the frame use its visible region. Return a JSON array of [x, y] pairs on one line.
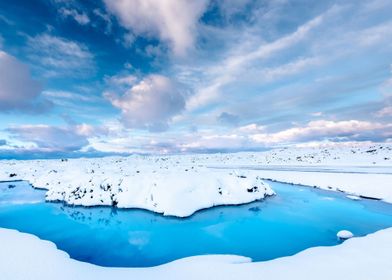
[[295, 219]]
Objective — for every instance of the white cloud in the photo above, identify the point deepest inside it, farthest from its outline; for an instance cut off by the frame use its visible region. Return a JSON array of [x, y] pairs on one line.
[[230, 8], [105, 18], [249, 137], [18, 91], [376, 5], [51, 138], [79, 17], [239, 59], [374, 35], [254, 136], [128, 40], [58, 56], [251, 128], [6, 20], [288, 69], [268, 49], [121, 80], [386, 88], [316, 114], [151, 103], [252, 64], [214, 142], [172, 21], [384, 112], [316, 130], [47, 138], [56, 95]]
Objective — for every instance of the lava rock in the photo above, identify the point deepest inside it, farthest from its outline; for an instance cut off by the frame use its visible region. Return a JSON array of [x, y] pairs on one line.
[[253, 189]]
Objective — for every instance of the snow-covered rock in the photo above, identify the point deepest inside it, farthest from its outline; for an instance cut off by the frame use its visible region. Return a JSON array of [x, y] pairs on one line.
[[344, 234]]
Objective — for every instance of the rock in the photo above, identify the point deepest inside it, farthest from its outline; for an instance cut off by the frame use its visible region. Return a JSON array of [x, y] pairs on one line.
[[344, 235], [254, 209], [370, 197], [253, 189]]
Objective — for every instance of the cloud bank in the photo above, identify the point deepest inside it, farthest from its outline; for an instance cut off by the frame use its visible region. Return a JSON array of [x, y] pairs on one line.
[[55, 138], [151, 103], [55, 56], [18, 90], [172, 21]]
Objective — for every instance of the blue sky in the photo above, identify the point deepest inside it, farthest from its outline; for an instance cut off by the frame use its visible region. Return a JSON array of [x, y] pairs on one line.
[[91, 78]]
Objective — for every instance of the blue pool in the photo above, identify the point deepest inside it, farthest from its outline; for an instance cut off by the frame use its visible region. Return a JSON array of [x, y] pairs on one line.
[[295, 219]]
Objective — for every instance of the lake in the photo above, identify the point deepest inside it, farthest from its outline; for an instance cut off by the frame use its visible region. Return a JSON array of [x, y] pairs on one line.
[[295, 219]]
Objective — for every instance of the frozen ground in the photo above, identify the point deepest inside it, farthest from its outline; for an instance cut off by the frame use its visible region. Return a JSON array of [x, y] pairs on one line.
[[182, 184], [373, 156], [357, 170], [24, 256]]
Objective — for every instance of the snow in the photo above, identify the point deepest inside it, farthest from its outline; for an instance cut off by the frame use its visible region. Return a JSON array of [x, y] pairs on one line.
[[182, 184], [179, 185], [358, 170], [353, 197], [370, 156], [162, 185], [377, 186], [24, 256], [344, 234]]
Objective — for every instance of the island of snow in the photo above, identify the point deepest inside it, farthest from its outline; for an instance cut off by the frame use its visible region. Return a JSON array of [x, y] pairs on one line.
[[158, 184]]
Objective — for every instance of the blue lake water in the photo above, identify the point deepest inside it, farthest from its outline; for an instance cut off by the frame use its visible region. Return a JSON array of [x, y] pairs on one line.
[[295, 219]]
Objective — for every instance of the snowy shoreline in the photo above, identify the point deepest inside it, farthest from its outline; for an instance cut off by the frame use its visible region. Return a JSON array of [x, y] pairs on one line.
[[359, 258], [179, 185], [161, 185]]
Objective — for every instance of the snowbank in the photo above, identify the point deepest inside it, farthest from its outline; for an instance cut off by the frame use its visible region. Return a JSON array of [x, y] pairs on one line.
[[377, 186], [24, 256], [364, 171]]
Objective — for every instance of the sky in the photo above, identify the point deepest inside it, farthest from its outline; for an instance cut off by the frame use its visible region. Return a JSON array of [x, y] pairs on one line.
[[104, 77]]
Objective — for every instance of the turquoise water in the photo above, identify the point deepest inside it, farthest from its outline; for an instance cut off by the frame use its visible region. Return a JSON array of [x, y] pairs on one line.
[[295, 219]]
